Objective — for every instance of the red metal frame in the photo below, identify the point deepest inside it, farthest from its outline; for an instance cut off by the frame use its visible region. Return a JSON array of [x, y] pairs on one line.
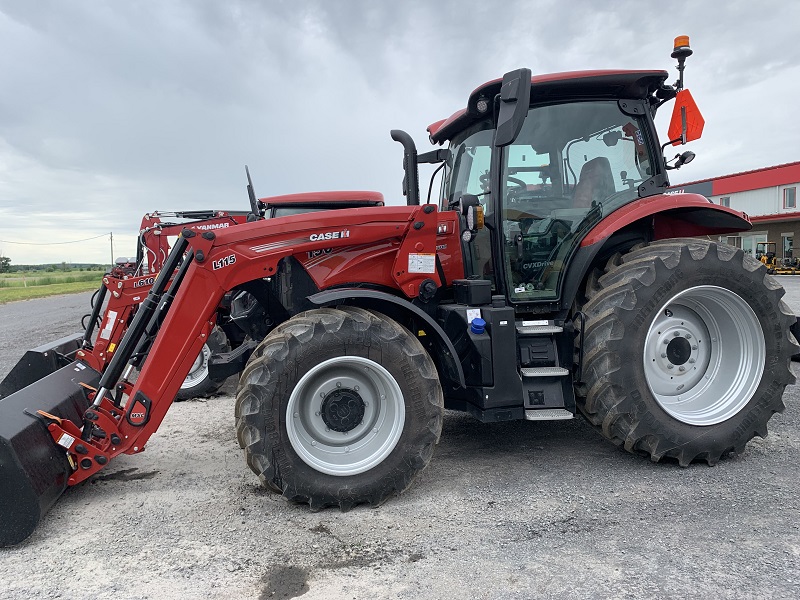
[[154, 233], [231, 257]]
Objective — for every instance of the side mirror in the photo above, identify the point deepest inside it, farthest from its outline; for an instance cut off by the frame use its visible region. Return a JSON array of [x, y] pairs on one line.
[[515, 98], [682, 159]]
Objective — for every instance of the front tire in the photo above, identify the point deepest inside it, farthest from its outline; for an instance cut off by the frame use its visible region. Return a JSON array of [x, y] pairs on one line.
[[198, 383], [688, 350], [338, 408]]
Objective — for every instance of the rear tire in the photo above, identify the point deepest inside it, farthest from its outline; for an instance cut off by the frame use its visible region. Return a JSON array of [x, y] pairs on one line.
[[198, 383], [688, 350], [339, 445]]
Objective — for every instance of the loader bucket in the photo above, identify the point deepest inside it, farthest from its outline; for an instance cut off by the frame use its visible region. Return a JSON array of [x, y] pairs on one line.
[[39, 362], [33, 468]]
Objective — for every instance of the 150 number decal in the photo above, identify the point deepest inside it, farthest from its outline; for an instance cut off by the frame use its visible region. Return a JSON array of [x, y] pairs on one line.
[[224, 262]]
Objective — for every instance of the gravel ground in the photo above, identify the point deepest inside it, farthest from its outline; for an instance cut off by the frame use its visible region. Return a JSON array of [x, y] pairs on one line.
[[511, 510]]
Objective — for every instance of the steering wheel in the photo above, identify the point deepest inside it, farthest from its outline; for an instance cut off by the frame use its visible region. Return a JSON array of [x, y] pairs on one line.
[[521, 185]]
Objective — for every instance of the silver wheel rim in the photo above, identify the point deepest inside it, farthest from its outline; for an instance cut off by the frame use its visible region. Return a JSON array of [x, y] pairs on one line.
[[365, 443], [704, 355], [199, 370]]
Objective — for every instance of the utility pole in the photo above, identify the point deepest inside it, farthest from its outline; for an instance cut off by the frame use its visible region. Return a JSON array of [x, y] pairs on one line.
[[112, 249]]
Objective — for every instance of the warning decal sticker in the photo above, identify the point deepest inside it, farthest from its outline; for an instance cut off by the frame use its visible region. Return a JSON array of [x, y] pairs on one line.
[[421, 263]]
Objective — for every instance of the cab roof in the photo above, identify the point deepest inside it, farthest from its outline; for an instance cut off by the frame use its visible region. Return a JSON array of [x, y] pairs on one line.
[[555, 86]]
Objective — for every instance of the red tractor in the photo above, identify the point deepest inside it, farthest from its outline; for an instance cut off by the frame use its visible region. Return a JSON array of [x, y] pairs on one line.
[[128, 282], [554, 276]]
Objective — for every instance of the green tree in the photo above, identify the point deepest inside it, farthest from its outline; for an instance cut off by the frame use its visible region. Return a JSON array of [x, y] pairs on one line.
[[5, 264]]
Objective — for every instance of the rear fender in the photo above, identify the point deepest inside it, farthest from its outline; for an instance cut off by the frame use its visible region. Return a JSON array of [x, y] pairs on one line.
[[671, 215], [648, 219], [445, 355]]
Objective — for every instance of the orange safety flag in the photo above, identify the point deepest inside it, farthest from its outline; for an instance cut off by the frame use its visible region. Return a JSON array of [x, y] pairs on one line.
[[685, 110]]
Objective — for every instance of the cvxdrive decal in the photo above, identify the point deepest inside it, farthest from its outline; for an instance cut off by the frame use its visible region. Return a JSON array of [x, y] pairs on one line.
[[329, 235], [224, 262]]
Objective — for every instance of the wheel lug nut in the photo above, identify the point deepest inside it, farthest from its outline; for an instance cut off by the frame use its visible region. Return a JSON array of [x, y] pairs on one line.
[[692, 361], [670, 366], [694, 346], [322, 394], [688, 336], [316, 414], [327, 430], [296, 415], [666, 341], [681, 368], [677, 334], [356, 388], [663, 355]]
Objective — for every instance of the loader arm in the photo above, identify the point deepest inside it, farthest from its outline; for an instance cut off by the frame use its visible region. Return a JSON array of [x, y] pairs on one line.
[[213, 264]]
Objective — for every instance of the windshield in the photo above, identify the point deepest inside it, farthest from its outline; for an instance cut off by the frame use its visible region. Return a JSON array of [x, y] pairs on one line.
[[468, 173], [570, 164]]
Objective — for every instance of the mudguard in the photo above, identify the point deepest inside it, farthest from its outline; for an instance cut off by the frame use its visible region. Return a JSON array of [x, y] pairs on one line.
[[33, 468]]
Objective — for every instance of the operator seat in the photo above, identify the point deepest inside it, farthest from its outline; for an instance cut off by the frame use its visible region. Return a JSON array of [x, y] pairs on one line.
[[595, 183]]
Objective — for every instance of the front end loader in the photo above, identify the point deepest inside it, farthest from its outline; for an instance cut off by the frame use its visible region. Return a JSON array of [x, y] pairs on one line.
[[553, 277]]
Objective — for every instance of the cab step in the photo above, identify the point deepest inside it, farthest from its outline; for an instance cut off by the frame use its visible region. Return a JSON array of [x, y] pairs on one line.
[[544, 371], [548, 414], [539, 329]]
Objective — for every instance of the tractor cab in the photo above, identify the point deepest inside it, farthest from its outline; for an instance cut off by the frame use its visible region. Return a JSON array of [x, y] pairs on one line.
[[545, 159], [573, 161]]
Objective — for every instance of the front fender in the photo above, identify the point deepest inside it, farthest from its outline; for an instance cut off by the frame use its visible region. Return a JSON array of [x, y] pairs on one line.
[[446, 357]]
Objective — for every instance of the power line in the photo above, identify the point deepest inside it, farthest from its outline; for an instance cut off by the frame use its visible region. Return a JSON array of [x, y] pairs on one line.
[[52, 243]]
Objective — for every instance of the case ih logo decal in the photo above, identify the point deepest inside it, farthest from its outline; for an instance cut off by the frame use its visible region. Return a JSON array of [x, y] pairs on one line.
[[224, 262], [329, 235], [144, 282]]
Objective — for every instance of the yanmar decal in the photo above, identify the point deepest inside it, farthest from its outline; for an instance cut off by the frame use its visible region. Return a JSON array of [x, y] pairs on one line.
[[210, 226]]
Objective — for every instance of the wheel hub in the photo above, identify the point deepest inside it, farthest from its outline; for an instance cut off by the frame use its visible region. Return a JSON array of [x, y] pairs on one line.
[[345, 415], [704, 355], [678, 345], [679, 350], [342, 410]]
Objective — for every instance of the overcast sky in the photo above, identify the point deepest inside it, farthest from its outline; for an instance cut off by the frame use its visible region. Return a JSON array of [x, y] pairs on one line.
[[112, 109]]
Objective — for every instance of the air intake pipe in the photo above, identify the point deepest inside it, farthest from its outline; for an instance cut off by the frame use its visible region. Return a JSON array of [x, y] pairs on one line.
[[411, 178]]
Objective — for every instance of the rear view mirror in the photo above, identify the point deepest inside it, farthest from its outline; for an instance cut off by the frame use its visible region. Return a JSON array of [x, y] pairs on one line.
[[611, 138], [687, 123]]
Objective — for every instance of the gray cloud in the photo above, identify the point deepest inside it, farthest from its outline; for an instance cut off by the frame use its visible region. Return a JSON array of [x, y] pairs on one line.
[[109, 109]]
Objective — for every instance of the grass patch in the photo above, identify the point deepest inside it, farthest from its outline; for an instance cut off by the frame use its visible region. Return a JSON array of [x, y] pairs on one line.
[[51, 279], [12, 294]]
